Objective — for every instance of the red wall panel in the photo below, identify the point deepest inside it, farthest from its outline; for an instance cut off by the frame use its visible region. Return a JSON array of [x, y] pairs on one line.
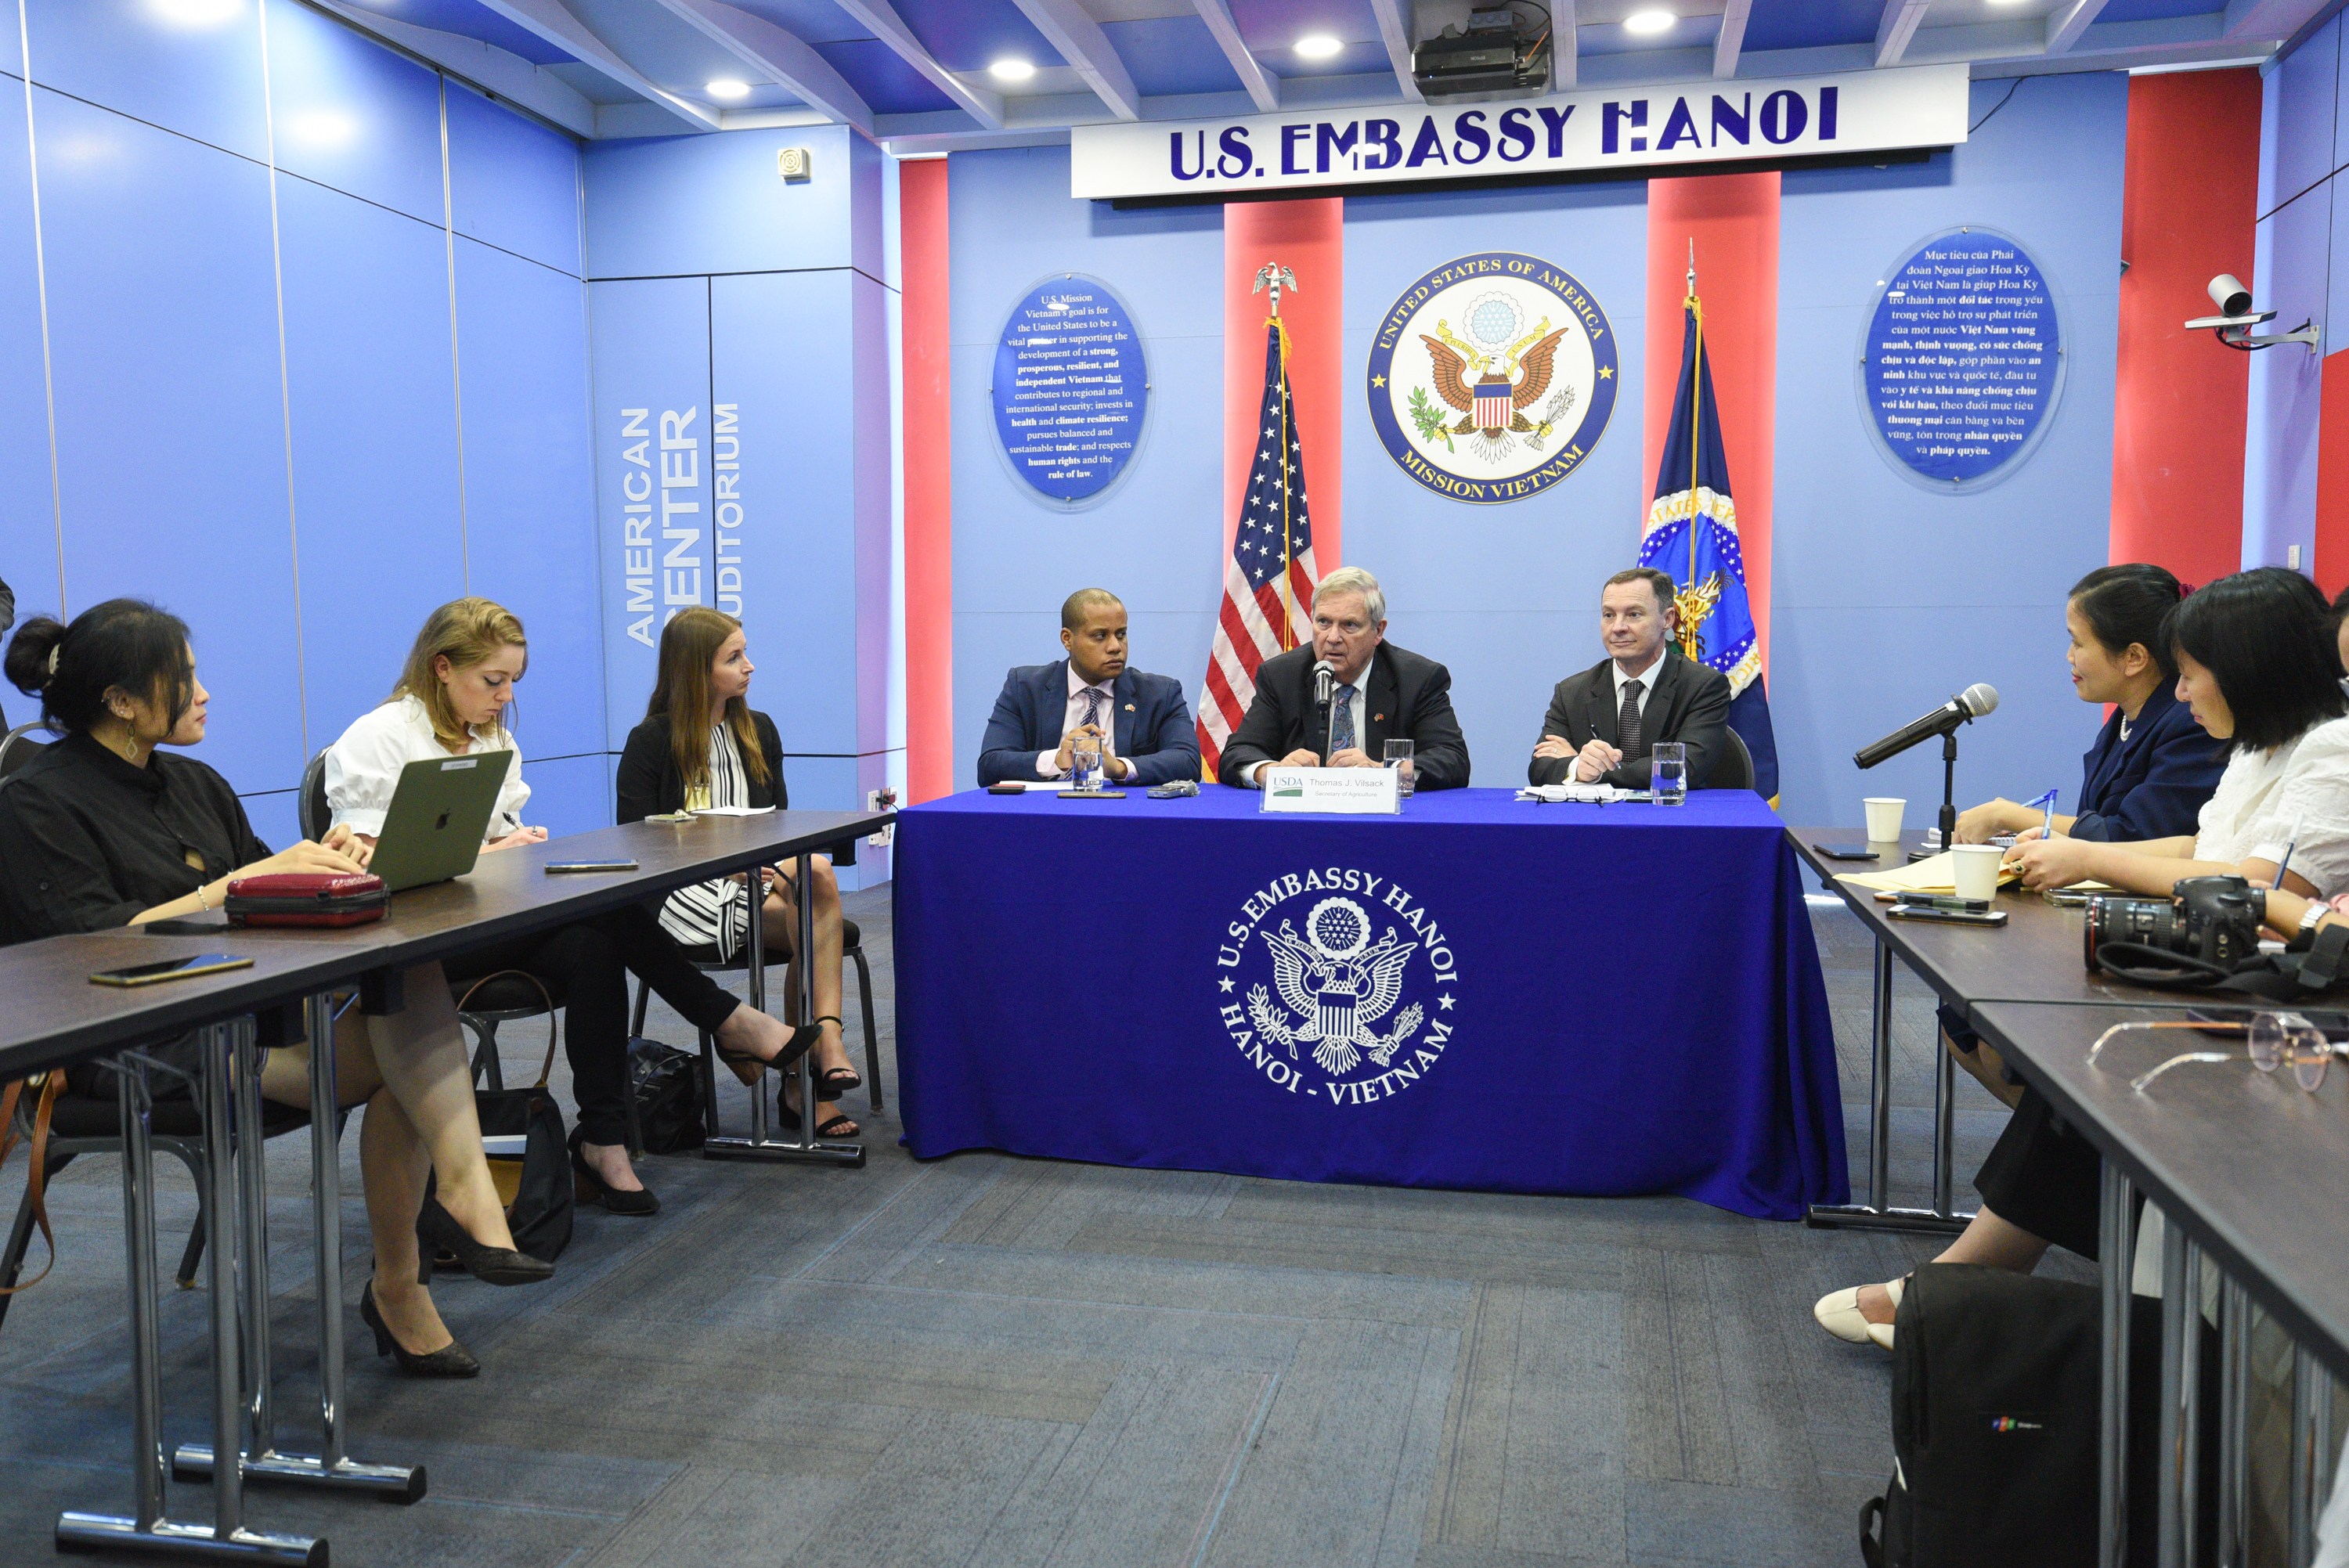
[[929, 484], [2180, 398], [1733, 220], [1308, 238]]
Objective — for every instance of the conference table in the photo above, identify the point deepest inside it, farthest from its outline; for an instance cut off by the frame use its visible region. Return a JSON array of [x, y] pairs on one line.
[[2237, 1162], [1479, 992], [57, 1016]]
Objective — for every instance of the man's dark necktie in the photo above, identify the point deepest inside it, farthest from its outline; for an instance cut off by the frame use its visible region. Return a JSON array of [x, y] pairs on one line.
[[1341, 735], [1627, 724], [1092, 705]]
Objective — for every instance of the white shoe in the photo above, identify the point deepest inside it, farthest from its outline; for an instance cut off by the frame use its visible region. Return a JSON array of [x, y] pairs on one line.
[[1838, 1313]]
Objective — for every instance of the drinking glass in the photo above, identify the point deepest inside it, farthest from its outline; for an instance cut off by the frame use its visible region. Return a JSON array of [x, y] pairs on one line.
[[1085, 763], [1668, 775], [1398, 758]]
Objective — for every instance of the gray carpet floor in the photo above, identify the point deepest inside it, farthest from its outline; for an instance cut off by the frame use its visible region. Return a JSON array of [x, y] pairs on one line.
[[987, 1360]]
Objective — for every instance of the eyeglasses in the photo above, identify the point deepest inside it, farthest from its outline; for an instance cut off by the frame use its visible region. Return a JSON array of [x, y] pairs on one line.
[[2274, 1040]]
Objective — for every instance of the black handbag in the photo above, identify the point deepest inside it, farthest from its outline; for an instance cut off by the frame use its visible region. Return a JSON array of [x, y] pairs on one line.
[[667, 1085], [1997, 1407], [536, 1185]]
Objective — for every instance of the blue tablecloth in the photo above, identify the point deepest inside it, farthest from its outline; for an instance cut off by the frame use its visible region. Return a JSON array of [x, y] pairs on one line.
[[1480, 993]]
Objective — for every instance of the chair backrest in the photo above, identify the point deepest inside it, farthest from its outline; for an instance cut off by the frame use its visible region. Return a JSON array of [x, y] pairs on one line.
[[1735, 769], [19, 745], [311, 812]]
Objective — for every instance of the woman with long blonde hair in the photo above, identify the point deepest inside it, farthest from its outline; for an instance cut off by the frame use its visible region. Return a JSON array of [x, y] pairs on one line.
[[452, 700], [702, 743]]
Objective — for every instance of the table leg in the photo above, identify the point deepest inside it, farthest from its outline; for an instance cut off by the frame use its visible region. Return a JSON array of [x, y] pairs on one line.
[[150, 1531], [1945, 1119], [803, 1147], [2312, 1452], [2182, 1355], [1877, 1214], [2234, 1417], [2115, 1248], [262, 1460]]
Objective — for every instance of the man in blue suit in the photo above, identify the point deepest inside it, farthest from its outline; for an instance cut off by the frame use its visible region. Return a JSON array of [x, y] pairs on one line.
[[1142, 721]]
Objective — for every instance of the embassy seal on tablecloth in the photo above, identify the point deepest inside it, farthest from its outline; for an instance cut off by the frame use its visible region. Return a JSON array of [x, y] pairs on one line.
[[1337, 984], [1492, 378]]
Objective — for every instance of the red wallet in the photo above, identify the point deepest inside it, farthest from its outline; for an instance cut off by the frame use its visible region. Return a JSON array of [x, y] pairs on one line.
[[306, 898]]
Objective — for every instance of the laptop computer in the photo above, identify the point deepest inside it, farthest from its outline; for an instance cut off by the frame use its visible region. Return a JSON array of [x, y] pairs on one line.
[[439, 811]]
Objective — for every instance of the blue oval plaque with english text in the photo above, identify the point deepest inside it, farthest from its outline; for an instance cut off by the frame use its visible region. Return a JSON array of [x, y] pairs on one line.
[[1963, 359], [1069, 389]]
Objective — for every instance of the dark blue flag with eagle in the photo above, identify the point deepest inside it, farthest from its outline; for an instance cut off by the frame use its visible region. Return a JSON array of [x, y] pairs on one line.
[[1692, 532]]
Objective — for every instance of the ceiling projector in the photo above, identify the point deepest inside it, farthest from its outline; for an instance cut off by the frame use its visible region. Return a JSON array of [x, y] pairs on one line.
[[1503, 52]]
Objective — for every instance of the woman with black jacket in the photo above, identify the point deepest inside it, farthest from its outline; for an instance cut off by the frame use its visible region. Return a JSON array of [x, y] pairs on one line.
[[701, 746]]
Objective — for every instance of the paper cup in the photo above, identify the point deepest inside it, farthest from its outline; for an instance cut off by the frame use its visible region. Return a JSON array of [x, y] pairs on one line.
[[1883, 818], [1978, 866]]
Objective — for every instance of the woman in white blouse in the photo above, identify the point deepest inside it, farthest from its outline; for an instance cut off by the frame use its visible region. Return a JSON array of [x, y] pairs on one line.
[[702, 744], [2258, 666], [451, 700]]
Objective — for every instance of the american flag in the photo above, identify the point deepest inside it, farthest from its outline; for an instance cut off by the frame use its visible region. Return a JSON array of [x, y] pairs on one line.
[[1268, 584]]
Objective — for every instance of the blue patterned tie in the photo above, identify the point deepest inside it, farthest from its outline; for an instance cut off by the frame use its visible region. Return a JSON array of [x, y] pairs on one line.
[[1341, 736], [1092, 705]]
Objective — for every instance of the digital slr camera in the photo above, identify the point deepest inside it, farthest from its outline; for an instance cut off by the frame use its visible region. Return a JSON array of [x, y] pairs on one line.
[[2213, 919]]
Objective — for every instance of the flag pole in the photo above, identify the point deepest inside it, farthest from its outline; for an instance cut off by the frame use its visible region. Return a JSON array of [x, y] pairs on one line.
[[1272, 275], [1688, 639]]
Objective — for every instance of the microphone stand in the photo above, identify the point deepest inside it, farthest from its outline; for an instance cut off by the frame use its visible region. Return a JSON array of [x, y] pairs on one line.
[[1329, 728], [1948, 795]]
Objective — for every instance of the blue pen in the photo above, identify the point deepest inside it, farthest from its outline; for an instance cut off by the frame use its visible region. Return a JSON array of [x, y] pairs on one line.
[[2289, 845], [2048, 802]]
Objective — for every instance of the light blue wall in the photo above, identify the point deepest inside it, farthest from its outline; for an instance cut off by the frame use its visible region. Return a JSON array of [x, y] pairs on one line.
[[259, 370], [721, 292], [2302, 144], [1888, 598], [1157, 541]]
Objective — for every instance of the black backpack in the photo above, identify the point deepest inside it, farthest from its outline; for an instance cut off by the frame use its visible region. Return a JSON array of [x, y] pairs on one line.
[[667, 1087], [1996, 1408]]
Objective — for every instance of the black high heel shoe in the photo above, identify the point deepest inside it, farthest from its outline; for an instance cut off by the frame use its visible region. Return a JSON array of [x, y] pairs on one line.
[[830, 1083], [437, 1227], [747, 1068], [451, 1360], [589, 1186]]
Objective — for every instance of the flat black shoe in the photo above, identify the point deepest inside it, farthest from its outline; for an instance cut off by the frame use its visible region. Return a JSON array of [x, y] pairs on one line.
[[451, 1360], [747, 1068], [588, 1185], [435, 1226]]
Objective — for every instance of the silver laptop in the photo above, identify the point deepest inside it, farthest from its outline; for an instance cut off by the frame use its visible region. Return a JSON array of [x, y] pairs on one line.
[[439, 811]]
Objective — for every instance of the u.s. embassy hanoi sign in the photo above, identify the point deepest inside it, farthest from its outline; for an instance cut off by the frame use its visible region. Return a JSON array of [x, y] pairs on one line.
[[1492, 378], [1605, 127]]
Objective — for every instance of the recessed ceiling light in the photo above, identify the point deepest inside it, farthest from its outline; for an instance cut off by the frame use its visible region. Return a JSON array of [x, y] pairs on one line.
[[1011, 70], [727, 88], [1318, 47], [1645, 23]]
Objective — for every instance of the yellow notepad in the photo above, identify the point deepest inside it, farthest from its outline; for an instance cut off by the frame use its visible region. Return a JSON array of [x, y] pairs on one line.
[[1938, 874]]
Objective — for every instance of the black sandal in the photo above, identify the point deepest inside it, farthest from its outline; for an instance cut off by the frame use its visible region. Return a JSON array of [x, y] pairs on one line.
[[751, 1068], [833, 1082], [838, 1127]]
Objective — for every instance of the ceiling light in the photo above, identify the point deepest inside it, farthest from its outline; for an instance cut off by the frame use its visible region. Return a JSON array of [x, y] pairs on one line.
[[1011, 70], [1319, 46], [726, 88], [1648, 23]]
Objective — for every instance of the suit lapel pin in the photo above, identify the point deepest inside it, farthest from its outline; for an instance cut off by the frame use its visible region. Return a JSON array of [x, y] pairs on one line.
[[1129, 707], [1378, 718]]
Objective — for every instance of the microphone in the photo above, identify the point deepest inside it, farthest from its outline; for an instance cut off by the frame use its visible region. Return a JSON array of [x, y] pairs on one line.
[[1963, 708], [1325, 679]]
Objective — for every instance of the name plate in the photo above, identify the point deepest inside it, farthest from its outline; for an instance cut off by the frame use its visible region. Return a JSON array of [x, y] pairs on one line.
[[1347, 790]]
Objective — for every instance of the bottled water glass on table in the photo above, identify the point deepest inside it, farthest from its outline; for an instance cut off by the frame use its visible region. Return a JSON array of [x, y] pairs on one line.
[[1398, 758], [1085, 763], [1669, 774]]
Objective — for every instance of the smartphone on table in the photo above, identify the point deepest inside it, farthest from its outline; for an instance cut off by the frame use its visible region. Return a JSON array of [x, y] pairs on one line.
[[170, 969]]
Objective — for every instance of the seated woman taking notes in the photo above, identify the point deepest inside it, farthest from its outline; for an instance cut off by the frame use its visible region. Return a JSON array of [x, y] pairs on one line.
[[701, 742], [2152, 766], [451, 701], [2259, 668], [102, 830]]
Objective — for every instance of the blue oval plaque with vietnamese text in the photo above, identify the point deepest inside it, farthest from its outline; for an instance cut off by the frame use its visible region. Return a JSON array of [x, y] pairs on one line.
[[1963, 359], [1069, 389]]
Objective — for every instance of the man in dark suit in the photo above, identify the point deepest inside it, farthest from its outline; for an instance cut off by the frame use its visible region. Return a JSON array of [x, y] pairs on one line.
[[1139, 719], [1383, 693], [1604, 723]]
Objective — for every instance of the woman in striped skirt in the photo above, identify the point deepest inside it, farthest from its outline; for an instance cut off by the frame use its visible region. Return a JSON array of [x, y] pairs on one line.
[[701, 746]]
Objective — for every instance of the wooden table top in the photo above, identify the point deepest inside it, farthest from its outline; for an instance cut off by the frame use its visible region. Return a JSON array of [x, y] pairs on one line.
[[55, 1015], [2249, 1164]]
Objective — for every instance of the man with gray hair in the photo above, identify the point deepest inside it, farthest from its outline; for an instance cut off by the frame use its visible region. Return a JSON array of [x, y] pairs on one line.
[[1383, 693], [1141, 721]]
